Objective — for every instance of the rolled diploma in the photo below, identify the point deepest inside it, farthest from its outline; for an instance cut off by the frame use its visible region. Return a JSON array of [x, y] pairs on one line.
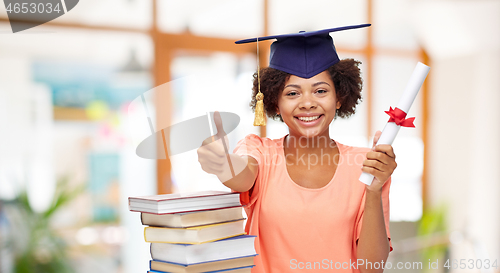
[[391, 129]]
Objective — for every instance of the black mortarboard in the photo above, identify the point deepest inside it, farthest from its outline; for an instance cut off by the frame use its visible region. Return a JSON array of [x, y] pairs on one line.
[[303, 54]]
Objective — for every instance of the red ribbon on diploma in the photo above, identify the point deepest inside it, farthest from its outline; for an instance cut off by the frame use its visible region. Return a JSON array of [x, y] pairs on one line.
[[398, 116]]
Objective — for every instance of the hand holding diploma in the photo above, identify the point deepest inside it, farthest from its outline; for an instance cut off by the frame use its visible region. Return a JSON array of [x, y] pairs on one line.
[[398, 115], [380, 163]]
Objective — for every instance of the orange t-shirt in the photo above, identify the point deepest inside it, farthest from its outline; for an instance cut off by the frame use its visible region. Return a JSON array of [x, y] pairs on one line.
[[302, 228]]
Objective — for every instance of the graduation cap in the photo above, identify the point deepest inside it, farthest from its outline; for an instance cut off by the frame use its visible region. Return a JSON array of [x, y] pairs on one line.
[[303, 54]]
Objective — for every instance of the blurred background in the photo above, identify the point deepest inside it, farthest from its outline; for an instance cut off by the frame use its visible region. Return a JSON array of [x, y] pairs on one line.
[[69, 128]]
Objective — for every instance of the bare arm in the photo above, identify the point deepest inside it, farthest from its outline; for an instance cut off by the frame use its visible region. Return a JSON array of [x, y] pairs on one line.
[[244, 180], [373, 245]]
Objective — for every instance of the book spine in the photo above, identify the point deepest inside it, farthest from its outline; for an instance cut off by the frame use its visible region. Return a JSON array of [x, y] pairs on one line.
[[150, 253]]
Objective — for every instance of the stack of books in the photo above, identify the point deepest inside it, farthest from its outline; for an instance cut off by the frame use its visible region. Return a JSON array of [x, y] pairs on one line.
[[195, 232]]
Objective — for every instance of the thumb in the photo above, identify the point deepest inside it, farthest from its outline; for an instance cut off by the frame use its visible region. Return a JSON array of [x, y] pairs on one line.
[[376, 138], [218, 125]]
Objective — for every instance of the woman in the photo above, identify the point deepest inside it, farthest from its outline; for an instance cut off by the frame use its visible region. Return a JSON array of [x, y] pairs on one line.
[[301, 192]]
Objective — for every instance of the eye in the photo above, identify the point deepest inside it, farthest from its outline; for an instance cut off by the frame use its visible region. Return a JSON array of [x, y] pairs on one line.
[[321, 91], [291, 93]]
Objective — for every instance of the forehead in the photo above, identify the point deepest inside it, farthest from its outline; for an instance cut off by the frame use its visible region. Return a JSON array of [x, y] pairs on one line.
[[321, 77]]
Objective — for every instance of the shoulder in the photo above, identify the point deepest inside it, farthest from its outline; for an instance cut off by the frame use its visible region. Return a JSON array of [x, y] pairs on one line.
[[352, 150], [257, 141], [352, 156], [258, 147]]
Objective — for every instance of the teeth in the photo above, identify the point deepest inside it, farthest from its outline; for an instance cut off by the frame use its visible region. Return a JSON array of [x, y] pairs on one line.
[[308, 118]]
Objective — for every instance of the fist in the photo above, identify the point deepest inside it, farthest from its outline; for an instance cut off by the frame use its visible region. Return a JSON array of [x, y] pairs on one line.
[[213, 154]]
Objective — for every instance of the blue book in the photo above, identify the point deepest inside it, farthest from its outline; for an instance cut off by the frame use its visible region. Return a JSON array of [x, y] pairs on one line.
[[245, 269], [163, 266]]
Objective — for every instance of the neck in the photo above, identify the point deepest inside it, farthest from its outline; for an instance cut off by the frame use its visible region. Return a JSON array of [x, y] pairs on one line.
[[309, 144]]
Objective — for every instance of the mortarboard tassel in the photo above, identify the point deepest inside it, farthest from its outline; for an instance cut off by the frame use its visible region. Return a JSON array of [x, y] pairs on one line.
[[259, 110], [260, 119]]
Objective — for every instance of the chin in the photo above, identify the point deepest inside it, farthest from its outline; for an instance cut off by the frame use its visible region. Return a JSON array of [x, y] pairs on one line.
[[308, 134]]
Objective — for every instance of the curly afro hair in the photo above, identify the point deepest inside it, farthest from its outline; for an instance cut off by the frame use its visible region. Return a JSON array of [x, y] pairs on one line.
[[346, 77]]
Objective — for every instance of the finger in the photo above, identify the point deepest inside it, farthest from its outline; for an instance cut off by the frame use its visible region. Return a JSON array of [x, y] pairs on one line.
[[375, 164], [222, 135], [385, 148], [211, 144], [213, 164], [381, 175], [220, 130], [381, 157], [207, 141], [210, 159], [376, 138], [378, 174], [215, 149], [373, 171], [218, 125]]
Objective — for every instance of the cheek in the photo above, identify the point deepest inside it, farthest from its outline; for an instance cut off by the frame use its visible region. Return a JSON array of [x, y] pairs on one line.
[[285, 109], [281, 106]]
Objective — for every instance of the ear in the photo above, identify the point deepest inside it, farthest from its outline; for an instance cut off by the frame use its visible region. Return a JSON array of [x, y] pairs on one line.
[[338, 105]]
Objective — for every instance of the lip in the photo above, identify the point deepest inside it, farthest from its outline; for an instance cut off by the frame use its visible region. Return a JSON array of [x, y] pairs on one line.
[[309, 123], [308, 115]]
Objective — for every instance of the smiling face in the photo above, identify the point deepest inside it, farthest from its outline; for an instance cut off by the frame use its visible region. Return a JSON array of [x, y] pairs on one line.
[[308, 106]]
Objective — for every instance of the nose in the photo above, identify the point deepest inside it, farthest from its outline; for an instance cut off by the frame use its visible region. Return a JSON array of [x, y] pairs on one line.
[[308, 101]]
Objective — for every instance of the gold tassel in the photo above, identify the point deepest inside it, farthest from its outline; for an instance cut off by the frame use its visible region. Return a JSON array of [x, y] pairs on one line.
[[259, 120]]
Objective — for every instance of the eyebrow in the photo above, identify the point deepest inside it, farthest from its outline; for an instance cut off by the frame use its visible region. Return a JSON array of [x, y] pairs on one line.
[[319, 83], [298, 86], [292, 85]]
